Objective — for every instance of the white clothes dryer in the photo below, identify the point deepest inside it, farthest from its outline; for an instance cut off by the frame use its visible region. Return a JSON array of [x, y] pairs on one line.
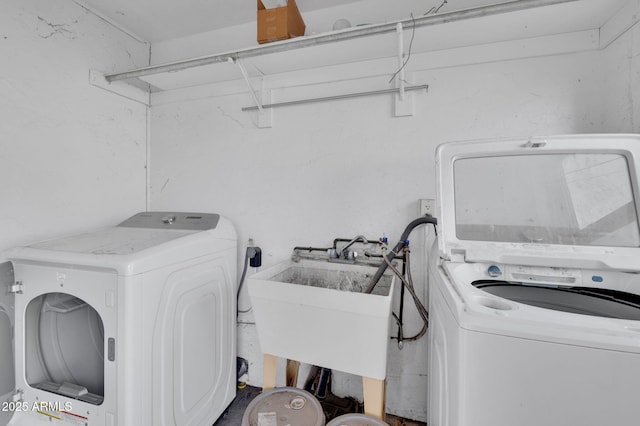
[[535, 289], [129, 325]]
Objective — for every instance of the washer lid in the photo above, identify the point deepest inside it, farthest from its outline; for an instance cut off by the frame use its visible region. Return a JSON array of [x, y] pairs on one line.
[[548, 201]]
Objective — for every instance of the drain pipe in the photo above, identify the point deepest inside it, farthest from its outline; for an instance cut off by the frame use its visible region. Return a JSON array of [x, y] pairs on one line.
[[404, 237]]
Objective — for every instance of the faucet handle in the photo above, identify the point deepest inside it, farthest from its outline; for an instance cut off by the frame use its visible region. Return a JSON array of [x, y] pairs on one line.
[[332, 253]]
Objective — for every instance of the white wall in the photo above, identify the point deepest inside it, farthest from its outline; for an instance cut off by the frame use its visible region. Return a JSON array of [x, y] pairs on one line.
[[342, 168], [72, 156], [621, 80], [338, 169]]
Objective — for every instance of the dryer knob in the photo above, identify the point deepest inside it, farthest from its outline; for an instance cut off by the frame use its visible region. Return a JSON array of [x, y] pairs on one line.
[[168, 219]]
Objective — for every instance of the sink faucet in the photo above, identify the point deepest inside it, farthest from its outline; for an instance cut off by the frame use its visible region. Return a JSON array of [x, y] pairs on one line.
[[345, 249]]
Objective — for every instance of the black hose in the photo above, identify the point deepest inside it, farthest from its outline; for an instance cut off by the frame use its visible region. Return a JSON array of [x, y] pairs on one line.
[[392, 253], [408, 283]]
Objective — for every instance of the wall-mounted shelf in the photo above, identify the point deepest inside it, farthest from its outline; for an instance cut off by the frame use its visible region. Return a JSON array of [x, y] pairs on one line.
[[509, 21]]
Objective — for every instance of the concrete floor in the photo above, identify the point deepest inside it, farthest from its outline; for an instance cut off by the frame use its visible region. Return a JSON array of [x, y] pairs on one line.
[[233, 415]]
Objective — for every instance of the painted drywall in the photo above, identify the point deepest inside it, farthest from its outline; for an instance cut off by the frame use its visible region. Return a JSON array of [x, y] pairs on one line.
[[338, 169], [621, 80], [72, 156], [349, 167]]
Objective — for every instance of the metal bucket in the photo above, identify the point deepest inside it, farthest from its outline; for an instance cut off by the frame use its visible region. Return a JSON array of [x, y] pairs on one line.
[[284, 406], [356, 420]]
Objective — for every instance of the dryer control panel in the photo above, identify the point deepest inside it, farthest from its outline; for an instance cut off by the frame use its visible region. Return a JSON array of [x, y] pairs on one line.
[[164, 220]]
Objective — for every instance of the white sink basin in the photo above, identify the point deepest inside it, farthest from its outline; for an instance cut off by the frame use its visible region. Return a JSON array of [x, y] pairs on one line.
[[316, 312]]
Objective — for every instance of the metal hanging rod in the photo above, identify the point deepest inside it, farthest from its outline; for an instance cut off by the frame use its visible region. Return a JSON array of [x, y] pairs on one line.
[[332, 98], [357, 32]]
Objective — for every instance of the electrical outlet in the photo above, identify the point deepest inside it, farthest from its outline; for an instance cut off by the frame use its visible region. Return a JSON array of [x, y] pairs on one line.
[[427, 206]]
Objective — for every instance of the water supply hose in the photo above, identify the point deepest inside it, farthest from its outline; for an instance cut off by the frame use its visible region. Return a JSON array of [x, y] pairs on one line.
[[408, 284], [392, 253]]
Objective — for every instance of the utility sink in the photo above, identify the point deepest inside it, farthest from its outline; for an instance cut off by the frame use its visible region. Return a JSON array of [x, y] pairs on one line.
[[316, 312]]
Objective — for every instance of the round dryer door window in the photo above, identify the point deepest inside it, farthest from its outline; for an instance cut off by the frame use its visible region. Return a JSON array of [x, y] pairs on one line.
[[65, 347]]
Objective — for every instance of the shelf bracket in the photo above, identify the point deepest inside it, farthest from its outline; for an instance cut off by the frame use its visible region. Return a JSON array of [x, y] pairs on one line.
[[243, 70], [400, 75], [264, 117], [403, 100], [98, 79]]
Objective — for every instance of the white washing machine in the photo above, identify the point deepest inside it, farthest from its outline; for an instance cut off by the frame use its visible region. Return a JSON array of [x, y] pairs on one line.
[[130, 325], [534, 292]]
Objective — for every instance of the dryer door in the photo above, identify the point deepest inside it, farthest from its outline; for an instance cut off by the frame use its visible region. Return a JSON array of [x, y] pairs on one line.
[[7, 365]]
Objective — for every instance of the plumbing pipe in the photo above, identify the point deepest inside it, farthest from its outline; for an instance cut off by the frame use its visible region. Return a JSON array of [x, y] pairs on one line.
[[346, 240], [310, 249], [355, 32], [335, 245]]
